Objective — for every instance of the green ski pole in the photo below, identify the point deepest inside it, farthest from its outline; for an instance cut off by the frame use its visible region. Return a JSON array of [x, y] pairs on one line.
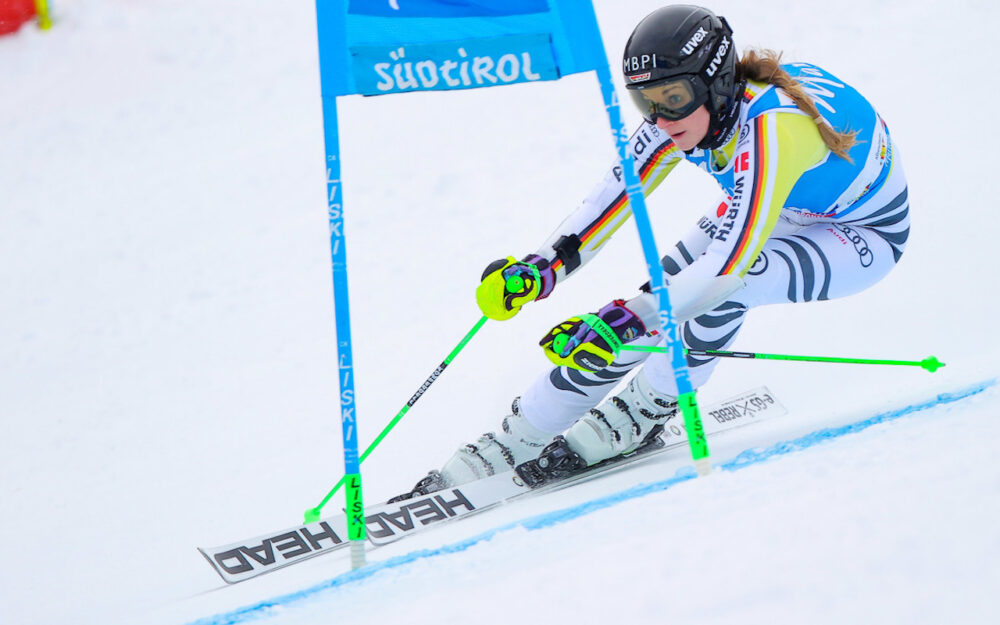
[[931, 363], [312, 514]]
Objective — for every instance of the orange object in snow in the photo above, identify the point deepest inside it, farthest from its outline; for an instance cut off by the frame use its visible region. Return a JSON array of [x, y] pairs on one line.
[[13, 13]]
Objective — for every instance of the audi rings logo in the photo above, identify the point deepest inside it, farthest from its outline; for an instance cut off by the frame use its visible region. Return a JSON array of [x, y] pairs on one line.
[[860, 245]]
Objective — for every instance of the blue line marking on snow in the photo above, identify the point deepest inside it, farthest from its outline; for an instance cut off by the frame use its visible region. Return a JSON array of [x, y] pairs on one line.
[[270, 607]]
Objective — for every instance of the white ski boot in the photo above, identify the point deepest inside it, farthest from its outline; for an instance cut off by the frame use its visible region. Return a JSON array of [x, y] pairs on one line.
[[517, 442], [621, 423]]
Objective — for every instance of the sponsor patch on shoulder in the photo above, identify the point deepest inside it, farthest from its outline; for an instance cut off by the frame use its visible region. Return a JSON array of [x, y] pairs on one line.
[[639, 77]]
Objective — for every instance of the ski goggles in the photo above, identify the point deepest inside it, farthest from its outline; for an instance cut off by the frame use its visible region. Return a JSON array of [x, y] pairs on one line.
[[672, 99]]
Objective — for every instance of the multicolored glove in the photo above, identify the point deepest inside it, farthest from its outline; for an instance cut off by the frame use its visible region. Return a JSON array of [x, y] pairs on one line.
[[508, 284], [591, 342]]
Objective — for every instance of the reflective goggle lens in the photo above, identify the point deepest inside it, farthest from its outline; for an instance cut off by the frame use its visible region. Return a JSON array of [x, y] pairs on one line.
[[673, 100]]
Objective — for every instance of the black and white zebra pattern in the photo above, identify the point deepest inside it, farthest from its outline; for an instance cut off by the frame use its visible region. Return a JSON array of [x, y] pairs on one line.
[[799, 263]]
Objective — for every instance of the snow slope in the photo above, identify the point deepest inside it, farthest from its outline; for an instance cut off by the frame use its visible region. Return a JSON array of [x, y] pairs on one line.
[[167, 370], [732, 548]]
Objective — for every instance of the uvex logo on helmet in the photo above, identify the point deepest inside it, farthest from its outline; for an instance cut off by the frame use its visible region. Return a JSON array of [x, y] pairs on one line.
[[694, 41], [719, 55]]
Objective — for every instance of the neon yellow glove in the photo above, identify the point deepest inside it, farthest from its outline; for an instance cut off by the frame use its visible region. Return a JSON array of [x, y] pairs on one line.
[[508, 284], [591, 342]]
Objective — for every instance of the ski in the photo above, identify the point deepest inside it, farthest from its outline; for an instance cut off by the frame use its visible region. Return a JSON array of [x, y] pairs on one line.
[[389, 522], [395, 521]]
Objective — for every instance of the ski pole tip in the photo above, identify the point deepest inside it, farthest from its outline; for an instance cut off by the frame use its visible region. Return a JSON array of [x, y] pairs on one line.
[[931, 363], [311, 515]]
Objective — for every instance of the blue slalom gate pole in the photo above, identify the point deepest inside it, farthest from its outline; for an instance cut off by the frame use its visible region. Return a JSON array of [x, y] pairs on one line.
[[345, 362], [687, 398]]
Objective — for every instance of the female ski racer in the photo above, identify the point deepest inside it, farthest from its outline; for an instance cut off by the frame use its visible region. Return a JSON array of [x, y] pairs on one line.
[[813, 206]]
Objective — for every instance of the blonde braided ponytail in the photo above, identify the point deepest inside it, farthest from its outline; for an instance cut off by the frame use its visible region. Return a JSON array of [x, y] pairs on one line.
[[765, 66]]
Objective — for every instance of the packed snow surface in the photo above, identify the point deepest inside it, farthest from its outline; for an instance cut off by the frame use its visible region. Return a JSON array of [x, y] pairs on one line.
[[167, 353]]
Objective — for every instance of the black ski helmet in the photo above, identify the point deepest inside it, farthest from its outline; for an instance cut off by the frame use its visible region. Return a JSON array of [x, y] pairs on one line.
[[685, 55]]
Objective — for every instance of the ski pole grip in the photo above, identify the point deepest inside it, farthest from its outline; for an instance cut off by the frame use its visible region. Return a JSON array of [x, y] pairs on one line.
[[599, 326]]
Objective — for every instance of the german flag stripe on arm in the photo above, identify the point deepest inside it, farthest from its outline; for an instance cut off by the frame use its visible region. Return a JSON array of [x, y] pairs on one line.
[[757, 167], [651, 174]]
